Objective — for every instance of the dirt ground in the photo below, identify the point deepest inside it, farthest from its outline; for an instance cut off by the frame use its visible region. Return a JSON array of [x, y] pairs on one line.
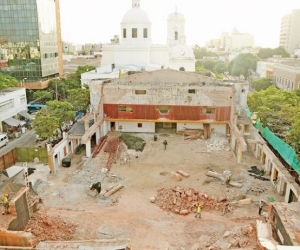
[[129, 213]]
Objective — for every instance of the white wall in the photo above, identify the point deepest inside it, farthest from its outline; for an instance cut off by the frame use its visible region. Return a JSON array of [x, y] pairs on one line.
[[188, 65], [220, 128], [19, 102], [261, 68], [147, 127], [182, 126]]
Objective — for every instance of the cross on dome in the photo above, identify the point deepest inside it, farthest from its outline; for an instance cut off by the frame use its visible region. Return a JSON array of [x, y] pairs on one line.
[[135, 3]]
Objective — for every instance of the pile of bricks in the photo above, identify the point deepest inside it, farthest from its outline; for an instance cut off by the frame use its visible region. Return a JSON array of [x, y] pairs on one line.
[[111, 149], [185, 200], [47, 228]]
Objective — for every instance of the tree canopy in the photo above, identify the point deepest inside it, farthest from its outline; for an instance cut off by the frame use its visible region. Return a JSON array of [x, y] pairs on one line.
[[79, 99], [279, 110], [45, 125], [60, 112], [265, 53], [8, 81], [201, 52], [261, 83], [242, 64]]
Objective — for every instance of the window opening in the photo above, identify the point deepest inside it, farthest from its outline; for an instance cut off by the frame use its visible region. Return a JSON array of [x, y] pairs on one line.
[[140, 92], [134, 32], [207, 110], [145, 33], [125, 109]]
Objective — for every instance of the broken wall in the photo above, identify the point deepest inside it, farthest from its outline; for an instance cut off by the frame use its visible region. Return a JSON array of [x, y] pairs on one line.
[[18, 239], [22, 211]]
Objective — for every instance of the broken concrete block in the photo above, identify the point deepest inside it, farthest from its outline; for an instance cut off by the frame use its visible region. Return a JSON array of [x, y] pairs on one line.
[[176, 176], [184, 174], [245, 201], [226, 234], [184, 212]]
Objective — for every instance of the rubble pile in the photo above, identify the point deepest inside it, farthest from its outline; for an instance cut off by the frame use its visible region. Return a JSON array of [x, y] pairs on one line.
[[111, 149], [191, 134], [185, 200], [240, 237], [217, 142], [47, 228]]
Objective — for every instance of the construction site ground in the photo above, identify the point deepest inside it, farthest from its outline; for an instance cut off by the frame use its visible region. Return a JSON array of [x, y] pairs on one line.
[[129, 213]]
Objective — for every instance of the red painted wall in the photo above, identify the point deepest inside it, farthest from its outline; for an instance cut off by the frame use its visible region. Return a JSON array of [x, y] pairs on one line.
[[149, 112]]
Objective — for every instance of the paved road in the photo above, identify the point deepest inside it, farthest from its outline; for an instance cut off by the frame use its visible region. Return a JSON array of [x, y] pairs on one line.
[[26, 140]]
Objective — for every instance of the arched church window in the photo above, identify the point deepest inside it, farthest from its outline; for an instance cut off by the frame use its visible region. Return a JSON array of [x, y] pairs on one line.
[[182, 69], [176, 35], [124, 33]]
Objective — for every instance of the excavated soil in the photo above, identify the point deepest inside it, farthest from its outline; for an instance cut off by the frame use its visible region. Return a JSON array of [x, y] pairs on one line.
[[81, 214]]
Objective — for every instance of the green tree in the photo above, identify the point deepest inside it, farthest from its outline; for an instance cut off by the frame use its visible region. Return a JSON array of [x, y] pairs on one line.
[[293, 135], [79, 99], [261, 83], [63, 111], [201, 52], [275, 108], [42, 96], [209, 64], [220, 67], [265, 53], [242, 64], [45, 125], [8, 82]]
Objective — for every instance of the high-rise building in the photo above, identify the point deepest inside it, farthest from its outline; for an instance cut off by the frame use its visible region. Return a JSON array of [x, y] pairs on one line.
[[290, 31], [30, 39]]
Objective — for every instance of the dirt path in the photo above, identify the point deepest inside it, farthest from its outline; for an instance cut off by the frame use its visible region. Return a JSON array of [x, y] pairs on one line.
[[129, 212]]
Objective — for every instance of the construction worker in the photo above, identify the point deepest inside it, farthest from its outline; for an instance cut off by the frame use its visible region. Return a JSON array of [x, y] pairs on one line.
[[260, 206], [5, 204], [165, 144], [198, 214]]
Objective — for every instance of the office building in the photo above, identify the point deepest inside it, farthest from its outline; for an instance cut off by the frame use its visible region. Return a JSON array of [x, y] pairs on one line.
[[30, 40]]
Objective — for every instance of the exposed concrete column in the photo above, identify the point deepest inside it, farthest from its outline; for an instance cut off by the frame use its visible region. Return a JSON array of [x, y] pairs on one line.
[[233, 140], [72, 146], [239, 154], [98, 135], [88, 148], [281, 185]]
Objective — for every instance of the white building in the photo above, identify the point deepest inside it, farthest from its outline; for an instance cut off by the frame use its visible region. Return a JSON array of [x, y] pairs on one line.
[[12, 104], [136, 46], [290, 31], [232, 42]]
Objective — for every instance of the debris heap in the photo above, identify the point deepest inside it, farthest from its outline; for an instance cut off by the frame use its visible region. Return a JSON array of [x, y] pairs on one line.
[[191, 134], [185, 200], [218, 142], [48, 228]]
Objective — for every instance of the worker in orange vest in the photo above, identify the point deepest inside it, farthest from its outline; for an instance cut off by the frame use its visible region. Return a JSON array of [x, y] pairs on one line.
[[5, 204]]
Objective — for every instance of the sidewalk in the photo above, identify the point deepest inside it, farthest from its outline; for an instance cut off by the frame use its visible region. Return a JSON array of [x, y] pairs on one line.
[[25, 140]]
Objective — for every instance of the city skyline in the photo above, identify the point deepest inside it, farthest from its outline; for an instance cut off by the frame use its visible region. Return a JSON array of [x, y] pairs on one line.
[[97, 21]]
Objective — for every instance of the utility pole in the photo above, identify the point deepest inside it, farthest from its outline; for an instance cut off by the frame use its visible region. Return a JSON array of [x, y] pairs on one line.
[[56, 90]]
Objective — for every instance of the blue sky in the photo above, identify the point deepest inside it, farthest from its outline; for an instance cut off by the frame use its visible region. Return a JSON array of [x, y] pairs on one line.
[[97, 21]]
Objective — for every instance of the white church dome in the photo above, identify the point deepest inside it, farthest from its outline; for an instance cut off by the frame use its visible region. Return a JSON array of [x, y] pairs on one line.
[[136, 15], [181, 51]]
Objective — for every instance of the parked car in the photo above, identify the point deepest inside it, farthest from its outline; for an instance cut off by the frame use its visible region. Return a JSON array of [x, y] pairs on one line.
[[3, 140]]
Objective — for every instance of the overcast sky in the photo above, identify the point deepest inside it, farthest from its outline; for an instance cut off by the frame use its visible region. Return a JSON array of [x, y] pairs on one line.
[[97, 21]]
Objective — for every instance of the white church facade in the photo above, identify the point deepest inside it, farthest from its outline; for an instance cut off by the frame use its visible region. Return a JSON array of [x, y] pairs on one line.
[[135, 50]]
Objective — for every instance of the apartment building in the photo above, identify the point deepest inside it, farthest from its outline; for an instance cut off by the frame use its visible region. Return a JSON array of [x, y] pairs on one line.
[[290, 31], [232, 42], [286, 75]]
